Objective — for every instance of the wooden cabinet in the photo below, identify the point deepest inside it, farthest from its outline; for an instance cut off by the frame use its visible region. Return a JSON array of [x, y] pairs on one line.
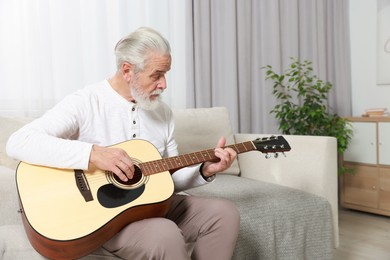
[[368, 189]]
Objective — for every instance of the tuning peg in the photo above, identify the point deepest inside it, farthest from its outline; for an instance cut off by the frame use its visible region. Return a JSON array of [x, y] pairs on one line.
[[284, 154], [267, 156], [276, 155]]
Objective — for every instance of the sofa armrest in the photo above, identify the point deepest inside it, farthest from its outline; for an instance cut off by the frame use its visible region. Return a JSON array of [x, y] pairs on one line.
[[310, 166]]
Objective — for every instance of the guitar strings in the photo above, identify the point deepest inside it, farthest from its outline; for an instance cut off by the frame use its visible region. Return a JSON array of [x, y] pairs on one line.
[[98, 177]]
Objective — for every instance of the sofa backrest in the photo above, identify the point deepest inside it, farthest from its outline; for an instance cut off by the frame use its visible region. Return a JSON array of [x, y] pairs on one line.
[[198, 129]]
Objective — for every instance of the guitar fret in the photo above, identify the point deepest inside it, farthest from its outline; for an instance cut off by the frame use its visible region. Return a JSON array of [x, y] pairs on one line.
[[173, 166], [185, 158], [238, 149], [146, 169], [169, 164], [201, 154], [152, 166], [195, 157], [243, 148], [204, 155], [156, 167], [246, 149], [174, 162], [251, 147], [178, 162], [163, 165], [192, 158]]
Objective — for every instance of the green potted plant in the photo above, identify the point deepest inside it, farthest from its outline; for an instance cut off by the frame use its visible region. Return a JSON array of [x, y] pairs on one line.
[[302, 108]]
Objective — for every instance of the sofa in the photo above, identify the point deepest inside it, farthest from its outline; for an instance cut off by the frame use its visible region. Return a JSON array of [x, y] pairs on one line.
[[288, 203]]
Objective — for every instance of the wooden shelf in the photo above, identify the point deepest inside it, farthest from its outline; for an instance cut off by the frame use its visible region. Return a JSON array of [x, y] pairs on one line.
[[369, 119]]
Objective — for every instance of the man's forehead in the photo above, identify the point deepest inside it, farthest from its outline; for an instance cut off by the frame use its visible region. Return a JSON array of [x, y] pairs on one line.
[[158, 62]]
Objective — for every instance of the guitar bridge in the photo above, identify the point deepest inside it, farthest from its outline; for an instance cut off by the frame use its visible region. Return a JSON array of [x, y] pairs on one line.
[[82, 185]]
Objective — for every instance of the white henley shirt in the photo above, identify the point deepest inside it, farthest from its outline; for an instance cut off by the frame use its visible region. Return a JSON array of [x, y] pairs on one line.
[[97, 114]]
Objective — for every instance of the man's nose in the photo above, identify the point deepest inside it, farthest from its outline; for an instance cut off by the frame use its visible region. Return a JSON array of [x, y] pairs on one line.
[[162, 83]]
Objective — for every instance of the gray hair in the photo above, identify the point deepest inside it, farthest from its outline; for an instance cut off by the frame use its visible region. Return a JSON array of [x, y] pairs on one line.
[[136, 47]]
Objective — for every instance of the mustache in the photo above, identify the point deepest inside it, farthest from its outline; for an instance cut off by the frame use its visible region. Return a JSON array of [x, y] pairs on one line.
[[157, 92]]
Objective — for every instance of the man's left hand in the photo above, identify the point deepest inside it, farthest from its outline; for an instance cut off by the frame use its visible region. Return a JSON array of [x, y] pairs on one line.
[[226, 156]]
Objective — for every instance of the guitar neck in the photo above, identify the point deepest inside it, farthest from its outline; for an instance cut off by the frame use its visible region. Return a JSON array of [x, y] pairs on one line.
[[181, 161]]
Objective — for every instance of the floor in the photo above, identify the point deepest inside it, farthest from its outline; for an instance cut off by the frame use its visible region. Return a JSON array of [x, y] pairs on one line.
[[363, 236]]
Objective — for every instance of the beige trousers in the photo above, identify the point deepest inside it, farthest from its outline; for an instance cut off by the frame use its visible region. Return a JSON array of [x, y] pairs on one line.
[[211, 223]]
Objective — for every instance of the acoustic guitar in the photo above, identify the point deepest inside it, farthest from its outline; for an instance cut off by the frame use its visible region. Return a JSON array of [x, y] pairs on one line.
[[70, 213]]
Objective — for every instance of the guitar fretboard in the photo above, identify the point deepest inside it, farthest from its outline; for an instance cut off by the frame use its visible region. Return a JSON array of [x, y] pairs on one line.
[[180, 161]]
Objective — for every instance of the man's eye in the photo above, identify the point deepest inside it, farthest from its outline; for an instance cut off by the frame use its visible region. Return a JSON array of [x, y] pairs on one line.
[[155, 77]]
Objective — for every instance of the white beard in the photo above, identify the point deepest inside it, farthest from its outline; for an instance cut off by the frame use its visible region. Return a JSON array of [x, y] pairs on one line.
[[143, 99]]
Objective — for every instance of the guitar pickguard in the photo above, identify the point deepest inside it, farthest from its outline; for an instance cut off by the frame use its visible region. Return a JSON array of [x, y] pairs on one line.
[[110, 196]]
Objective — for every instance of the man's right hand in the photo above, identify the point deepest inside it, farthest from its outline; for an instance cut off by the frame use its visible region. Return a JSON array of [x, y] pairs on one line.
[[112, 159]]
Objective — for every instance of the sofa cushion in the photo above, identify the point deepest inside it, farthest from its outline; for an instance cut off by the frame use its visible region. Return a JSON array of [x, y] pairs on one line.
[[199, 129], [9, 197], [15, 245], [7, 127], [275, 220]]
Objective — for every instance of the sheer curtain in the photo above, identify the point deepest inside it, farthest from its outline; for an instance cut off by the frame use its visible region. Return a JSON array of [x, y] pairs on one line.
[[51, 48], [234, 39]]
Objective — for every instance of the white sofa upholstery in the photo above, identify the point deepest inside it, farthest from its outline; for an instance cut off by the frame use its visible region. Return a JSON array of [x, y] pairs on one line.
[[296, 194]]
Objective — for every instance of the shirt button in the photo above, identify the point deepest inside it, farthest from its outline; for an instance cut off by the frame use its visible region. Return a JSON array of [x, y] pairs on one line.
[[134, 122], [134, 135], [133, 109]]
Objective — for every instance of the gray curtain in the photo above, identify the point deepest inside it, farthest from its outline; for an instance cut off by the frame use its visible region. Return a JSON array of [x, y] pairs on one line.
[[234, 39]]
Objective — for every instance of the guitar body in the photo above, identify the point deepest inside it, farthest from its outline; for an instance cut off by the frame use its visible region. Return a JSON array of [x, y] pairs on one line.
[[69, 213]]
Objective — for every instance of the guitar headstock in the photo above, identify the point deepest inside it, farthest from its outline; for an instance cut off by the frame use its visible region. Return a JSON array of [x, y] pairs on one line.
[[272, 144]]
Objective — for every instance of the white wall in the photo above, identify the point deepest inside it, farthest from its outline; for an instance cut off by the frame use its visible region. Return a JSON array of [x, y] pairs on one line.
[[363, 32]]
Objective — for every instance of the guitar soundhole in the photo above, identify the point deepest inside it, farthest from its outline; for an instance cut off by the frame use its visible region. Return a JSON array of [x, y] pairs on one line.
[[137, 180]]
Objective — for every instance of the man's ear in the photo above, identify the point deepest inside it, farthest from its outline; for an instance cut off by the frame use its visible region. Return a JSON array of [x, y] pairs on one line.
[[127, 71]]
